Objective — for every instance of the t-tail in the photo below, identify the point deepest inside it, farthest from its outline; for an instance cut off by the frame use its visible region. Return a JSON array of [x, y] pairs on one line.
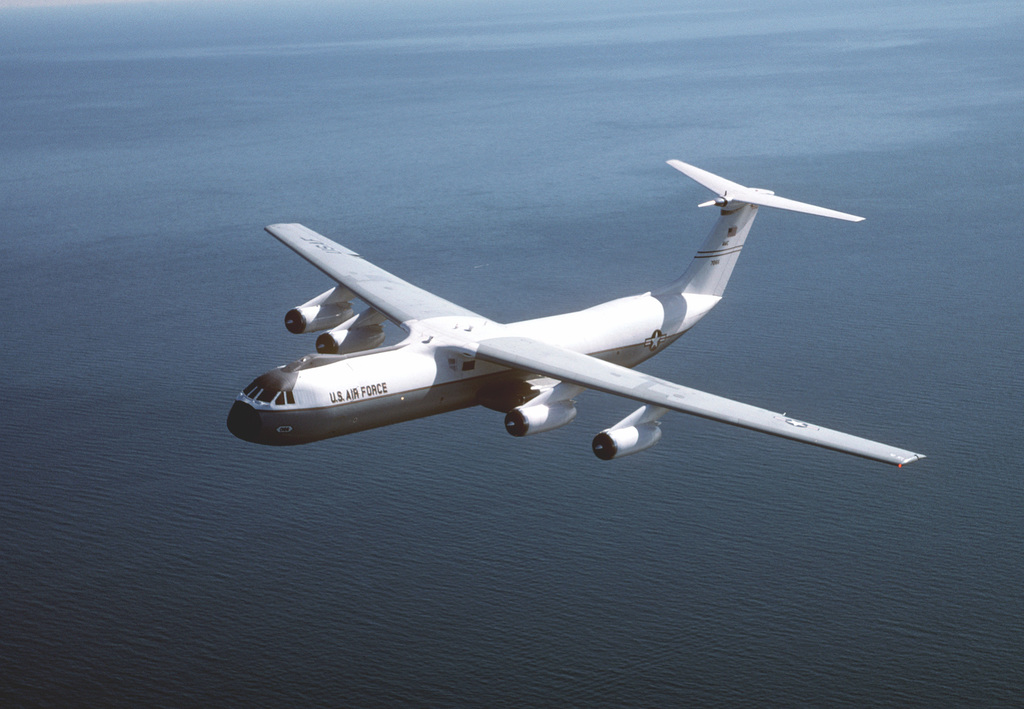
[[712, 266]]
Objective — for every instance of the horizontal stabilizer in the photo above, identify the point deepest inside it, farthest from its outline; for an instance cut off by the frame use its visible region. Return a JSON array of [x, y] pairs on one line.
[[729, 191]]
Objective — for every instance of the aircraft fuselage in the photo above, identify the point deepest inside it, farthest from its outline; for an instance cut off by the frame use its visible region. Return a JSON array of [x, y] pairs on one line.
[[532, 370], [323, 396]]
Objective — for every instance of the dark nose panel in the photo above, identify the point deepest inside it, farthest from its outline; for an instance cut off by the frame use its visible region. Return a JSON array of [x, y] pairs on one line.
[[244, 421]]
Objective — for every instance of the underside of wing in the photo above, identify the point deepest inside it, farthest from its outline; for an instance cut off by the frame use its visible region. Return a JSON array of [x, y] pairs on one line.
[[396, 299], [576, 368]]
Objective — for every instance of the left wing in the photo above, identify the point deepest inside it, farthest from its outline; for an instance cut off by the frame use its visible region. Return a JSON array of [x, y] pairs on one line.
[[398, 300], [533, 356]]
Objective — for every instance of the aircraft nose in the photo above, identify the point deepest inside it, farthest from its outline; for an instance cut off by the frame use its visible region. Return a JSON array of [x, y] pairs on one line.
[[244, 421]]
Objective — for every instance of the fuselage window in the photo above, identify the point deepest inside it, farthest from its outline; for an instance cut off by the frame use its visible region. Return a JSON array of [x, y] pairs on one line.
[[280, 399], [289, 397], [267, 395]]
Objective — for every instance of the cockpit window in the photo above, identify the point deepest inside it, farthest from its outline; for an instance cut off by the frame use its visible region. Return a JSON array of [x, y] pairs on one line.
[[279, 398], [274, 387]]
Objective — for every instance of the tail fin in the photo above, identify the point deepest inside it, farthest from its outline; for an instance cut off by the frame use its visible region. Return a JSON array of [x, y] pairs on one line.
[[712, 266]]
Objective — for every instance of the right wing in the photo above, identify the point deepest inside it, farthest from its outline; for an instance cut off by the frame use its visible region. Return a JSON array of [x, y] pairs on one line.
[[532, 356], [396, 299]]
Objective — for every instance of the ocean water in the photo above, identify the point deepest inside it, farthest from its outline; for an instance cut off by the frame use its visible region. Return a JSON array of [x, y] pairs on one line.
[[510, 156]]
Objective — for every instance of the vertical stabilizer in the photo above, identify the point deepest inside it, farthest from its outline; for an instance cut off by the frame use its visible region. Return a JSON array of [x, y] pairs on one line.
[[712, 265], [711, 268]]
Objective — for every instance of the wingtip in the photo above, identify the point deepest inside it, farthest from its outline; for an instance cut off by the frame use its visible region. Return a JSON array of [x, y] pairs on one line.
[[911, 459]]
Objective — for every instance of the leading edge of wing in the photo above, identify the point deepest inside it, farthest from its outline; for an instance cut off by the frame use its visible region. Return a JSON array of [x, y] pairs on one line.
[[592, 373], [400, 301]]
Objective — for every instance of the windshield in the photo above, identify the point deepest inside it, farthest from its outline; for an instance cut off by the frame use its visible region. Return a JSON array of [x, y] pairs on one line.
[[274, 387]]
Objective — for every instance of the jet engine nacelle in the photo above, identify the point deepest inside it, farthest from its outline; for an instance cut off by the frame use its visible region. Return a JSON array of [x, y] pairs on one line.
[[356, 339], [329, 309], [527, 420], [618, 442], [317, 317]]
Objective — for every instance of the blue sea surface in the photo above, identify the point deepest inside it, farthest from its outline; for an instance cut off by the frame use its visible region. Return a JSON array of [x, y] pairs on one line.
[[510, 157]]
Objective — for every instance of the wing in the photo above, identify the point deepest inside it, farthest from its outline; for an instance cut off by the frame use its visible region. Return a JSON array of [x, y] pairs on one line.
[[398, 300], [533, 356]]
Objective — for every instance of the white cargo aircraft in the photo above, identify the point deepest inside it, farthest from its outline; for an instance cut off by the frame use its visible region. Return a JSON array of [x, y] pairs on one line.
[[531, 371]]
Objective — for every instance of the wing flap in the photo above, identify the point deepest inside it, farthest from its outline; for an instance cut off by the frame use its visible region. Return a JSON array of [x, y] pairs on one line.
[[592, 373], [398, 300]]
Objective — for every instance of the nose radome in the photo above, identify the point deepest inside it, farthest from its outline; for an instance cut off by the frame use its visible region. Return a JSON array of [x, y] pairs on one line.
[[244, 421]]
